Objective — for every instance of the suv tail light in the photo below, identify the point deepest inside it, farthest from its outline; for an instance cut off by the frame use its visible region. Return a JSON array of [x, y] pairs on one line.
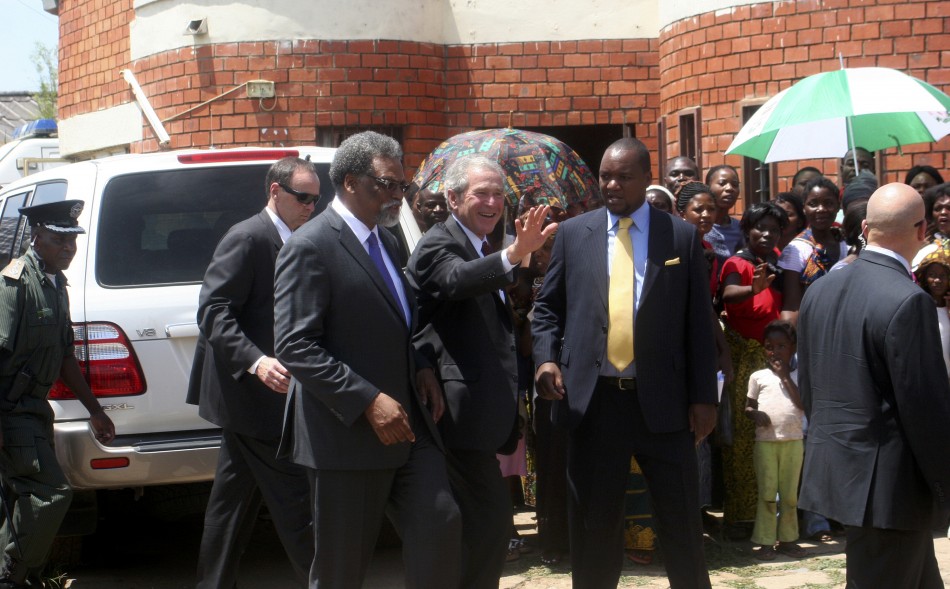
[[107, 361]]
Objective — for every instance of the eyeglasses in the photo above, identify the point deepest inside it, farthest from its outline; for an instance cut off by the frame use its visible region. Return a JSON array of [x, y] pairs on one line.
[[919, 223], [391, 185], [302, 197]]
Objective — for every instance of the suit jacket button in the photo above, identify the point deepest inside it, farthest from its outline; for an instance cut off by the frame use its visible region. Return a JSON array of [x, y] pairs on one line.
[[597, 363], [603, 328], [512, 348]]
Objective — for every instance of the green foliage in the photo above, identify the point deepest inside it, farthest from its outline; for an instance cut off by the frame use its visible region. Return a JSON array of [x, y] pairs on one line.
[[44, 59]]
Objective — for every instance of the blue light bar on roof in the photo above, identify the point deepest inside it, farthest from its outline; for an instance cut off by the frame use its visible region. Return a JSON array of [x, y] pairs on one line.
[[37, 128]]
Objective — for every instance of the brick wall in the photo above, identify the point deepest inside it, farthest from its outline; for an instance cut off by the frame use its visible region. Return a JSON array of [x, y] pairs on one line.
[[718, 61], [725, 59], [317, 83], [431, 91], [93, 49], [553, 83]]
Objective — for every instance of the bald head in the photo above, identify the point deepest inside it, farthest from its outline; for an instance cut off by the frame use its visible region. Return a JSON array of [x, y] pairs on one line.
[[896, 219]]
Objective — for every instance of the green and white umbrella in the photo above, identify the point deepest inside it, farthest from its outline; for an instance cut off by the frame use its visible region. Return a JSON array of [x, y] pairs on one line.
[[810, 119]]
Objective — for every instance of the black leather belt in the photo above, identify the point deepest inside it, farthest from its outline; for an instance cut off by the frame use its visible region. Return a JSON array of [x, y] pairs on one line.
[[615, 382]]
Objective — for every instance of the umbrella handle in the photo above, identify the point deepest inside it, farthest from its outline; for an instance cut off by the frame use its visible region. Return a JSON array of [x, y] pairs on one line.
[[847, 120], [898, 142]]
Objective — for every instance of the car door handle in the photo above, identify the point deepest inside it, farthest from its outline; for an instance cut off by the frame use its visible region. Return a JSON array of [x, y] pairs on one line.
[[181, 330]]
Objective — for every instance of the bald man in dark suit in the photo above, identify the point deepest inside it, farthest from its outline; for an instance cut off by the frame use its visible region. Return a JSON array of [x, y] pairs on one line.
[[876, 393]]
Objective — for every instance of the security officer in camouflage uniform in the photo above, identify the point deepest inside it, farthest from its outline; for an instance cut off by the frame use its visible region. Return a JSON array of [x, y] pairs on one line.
[[36, 348]]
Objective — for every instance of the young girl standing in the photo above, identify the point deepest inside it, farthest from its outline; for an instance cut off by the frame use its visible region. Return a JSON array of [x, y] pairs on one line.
[[775, 406], [725, 236]]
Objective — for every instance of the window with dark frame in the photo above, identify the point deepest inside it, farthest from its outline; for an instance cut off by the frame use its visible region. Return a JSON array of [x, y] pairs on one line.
[[661, 150], [756, 175], [690, 128]]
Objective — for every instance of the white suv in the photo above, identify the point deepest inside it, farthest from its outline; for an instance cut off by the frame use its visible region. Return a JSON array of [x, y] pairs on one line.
[[152, 223]]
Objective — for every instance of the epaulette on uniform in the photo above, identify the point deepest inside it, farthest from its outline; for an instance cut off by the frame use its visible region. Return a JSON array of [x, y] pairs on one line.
[[13, 270]]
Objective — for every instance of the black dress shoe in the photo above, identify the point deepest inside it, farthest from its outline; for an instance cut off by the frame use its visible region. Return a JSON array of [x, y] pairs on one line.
[[11, 584]]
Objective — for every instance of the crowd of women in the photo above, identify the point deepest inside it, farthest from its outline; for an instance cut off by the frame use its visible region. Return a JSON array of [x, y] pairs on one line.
[[760, 266]]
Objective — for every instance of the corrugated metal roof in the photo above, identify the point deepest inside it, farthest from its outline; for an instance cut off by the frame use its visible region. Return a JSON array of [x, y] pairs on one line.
[[16, 108]]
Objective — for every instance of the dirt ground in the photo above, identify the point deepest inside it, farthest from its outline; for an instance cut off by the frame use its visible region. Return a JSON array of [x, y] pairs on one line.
[[136, 552]]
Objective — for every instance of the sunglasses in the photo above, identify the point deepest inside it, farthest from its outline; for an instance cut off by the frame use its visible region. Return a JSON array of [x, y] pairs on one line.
[[302, 197], [391, 185]]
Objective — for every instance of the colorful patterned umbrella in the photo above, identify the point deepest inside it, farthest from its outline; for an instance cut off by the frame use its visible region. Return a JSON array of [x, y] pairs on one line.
[[539, 169]]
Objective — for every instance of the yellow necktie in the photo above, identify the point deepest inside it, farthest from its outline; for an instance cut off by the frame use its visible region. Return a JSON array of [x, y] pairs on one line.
[[621, 299]]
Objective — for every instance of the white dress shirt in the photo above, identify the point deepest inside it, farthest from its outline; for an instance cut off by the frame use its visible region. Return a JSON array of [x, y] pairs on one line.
[[477, 242], [282, 229], [362, 233]]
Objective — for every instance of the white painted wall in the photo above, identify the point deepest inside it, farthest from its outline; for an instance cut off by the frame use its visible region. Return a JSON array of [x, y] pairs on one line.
[[671, 11], [501, 21], [159, 24], [96, 131]]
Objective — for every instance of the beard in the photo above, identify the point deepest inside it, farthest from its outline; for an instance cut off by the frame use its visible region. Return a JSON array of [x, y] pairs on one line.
[[389, 215]]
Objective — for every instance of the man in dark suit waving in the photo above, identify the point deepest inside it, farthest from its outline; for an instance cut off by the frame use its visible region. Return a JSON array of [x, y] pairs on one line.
[[240, 386], [624, 342], [356, 416], [875, 390], [466, 329]]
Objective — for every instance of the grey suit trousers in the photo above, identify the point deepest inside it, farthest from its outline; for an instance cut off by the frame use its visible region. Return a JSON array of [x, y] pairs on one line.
[[248, 475], [485, 503], [349, 506]]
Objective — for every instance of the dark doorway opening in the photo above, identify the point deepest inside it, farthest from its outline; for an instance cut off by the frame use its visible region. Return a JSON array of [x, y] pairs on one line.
[[589, 141]]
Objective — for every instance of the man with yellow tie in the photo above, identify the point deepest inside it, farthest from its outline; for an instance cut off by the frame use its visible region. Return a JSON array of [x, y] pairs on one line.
[[624, 344]]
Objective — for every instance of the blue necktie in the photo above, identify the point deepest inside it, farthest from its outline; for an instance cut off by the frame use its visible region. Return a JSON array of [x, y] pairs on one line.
[[377, 256]]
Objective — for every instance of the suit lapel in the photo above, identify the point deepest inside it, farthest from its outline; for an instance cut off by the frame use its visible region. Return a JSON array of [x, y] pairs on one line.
[[358, 252], [459, 235], [597, 247], [270, 229], [659, 249]]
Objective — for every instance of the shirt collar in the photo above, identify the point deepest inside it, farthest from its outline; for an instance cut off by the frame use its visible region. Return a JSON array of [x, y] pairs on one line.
[[474, 239], [358, 227], [641, 218], [282, 229], [890, 254]]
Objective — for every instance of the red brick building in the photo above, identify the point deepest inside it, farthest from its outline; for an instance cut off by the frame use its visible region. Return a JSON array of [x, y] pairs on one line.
[[681, 76]]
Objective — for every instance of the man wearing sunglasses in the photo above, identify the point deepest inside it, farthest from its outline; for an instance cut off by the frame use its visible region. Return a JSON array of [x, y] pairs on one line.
[[240, 386]]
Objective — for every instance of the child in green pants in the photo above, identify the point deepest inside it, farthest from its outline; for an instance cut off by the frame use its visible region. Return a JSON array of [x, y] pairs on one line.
[[775, 406]]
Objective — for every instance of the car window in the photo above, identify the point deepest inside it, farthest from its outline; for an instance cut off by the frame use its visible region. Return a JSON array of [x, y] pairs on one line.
[[48, 192], [42, 194], [162, 227], [9, 224]]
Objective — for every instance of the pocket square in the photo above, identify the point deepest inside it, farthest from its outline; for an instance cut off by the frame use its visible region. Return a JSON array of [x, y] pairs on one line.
[[672, 262]]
